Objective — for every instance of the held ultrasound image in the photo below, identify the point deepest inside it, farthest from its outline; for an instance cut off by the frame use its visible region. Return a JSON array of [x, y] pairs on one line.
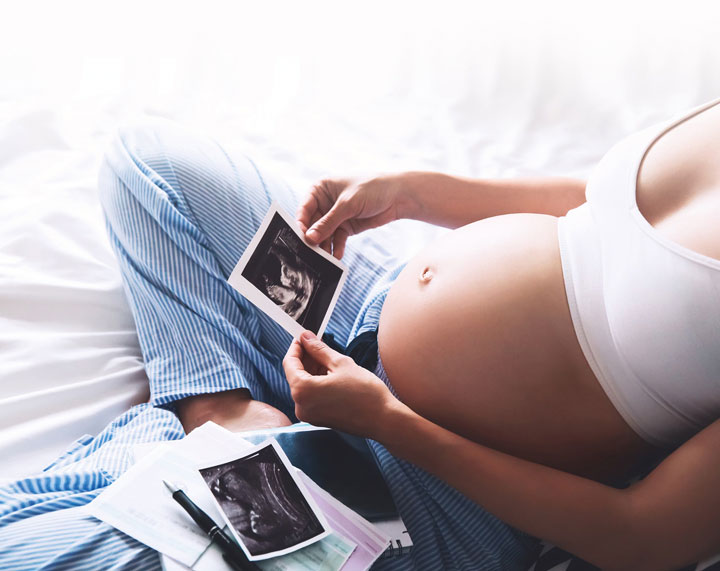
[[294, 277], [286, 279], [262, 502]]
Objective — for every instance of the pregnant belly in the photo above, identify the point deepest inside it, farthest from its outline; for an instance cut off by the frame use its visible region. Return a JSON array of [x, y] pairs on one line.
[[476, 335]]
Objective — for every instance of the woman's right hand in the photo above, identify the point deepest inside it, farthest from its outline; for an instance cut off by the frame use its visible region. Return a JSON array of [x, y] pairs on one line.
[[337, 208]]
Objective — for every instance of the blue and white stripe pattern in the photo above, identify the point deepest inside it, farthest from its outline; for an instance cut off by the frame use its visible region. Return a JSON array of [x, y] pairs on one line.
[[180, 212]]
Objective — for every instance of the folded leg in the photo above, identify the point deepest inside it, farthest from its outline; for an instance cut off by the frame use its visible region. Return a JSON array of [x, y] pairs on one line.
[[68, 539], [180, 213], [42, 523]]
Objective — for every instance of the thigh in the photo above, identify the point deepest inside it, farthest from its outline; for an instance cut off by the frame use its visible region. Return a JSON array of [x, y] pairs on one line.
[[192, 209], [70, 539], [227, 194], [43, 522]]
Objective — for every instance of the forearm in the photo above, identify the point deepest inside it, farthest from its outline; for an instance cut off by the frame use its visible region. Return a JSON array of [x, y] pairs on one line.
[[584, 517], [453, 201]]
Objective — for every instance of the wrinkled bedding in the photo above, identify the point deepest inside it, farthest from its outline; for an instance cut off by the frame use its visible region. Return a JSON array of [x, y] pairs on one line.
[[69, 357]]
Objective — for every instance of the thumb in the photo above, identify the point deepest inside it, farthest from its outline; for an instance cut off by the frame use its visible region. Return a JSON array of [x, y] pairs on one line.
[[324, 228], [319, 351]]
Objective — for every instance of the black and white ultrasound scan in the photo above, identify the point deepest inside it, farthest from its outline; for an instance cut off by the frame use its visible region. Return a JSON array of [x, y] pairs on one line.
[[265, 504], [296, 284]]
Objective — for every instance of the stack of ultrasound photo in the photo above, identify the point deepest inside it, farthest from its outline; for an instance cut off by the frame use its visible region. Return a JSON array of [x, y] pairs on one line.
[[304, 497]]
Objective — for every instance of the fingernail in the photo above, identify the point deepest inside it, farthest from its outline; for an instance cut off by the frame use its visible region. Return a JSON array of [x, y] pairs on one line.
[[313, 234], [307, 335]]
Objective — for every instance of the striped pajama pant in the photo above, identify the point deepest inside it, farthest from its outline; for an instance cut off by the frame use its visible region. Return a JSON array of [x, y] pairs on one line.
[[180, 211]]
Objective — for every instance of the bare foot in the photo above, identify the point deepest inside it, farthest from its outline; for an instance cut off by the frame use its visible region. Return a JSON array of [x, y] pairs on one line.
[[234, 410]]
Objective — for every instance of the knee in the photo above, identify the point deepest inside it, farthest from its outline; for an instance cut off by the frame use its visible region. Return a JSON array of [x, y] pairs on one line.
[[129, 155], [160, 157], [141, 147], [147, 166]]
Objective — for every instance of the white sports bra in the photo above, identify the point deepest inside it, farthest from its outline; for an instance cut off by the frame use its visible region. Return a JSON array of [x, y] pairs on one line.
[[645, 309]]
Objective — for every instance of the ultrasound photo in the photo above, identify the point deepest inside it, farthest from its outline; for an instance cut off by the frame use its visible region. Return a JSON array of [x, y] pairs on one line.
[[293, 282], [263, 503]]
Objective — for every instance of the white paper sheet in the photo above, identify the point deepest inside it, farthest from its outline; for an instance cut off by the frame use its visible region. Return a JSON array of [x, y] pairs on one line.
[[139, 504]]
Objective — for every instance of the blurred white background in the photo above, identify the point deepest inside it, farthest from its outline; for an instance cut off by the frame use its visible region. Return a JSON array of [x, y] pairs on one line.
[[354, 85], [502, 88]]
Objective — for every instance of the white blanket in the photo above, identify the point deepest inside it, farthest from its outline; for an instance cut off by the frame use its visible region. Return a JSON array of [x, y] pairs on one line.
[[478, 97]]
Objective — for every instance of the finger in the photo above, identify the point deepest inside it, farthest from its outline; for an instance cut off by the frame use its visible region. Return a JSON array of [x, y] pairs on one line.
[[304, 227], [292, 363], [306, 211], [327, 245], [317, 216], [319, 200], [312, 207], [339, 239], [319, 351], [324, 228], [313, 367]]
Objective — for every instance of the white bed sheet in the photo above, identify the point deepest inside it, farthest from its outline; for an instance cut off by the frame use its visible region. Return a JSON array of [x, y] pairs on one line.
[[69, 357]]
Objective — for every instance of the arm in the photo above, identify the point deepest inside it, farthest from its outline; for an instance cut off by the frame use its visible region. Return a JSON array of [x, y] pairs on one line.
[[669, 519], [579, 515], [338, 208], [454, 201]]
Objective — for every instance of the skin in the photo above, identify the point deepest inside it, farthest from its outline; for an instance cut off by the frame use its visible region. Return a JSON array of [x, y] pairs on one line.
[[532, 438]]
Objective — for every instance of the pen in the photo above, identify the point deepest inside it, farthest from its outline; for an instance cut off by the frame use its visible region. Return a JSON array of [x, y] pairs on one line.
[[232, 553]]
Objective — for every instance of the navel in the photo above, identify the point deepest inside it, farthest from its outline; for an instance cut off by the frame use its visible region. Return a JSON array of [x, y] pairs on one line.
[[426, 275]]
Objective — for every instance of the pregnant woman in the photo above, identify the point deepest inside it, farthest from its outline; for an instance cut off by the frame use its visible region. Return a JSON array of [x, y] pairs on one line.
[[517, 375]]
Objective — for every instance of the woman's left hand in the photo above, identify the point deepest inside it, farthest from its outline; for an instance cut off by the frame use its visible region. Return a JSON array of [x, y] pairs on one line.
[[329, 389]]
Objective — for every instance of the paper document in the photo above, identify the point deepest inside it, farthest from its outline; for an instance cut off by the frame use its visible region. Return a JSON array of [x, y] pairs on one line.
[[139, 505], [328, 554]]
